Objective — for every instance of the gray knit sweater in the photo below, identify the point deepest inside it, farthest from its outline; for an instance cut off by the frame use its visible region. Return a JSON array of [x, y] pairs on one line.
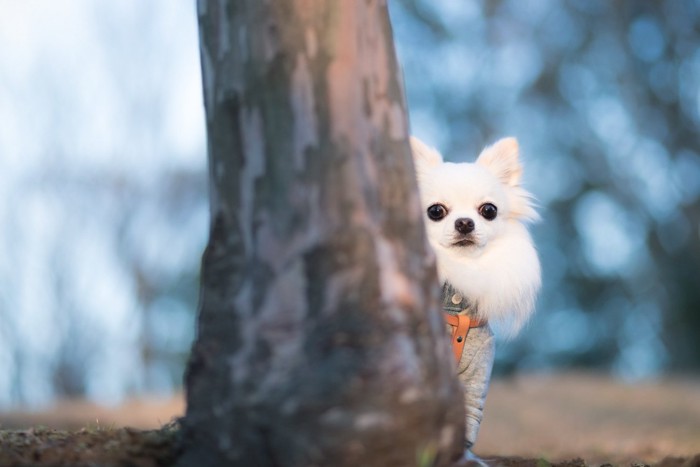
[[474, 368]]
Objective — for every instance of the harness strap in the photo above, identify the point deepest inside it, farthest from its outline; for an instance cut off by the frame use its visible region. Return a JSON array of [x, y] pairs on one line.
[[461, 324]]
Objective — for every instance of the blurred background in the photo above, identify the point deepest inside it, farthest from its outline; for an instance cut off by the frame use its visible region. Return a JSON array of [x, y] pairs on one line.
[[103, 197]]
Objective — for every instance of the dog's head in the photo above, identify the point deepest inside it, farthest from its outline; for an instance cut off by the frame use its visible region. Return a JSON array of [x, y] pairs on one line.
[[467, 206]]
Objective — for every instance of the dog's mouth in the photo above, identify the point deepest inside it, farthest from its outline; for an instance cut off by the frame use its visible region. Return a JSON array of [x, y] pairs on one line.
[[464, 242]]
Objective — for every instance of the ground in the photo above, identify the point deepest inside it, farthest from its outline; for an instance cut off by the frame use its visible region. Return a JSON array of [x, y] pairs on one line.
[[88, 447], [569, 420]]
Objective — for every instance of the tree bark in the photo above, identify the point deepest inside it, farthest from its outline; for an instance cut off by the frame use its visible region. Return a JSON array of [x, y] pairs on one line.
[[319, 337]]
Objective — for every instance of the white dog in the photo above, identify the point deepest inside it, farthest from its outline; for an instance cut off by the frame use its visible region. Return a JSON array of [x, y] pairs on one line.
[[475, 217]]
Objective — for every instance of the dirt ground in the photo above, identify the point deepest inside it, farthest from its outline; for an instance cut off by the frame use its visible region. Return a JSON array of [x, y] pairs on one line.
[[592, 417], [571, 420]]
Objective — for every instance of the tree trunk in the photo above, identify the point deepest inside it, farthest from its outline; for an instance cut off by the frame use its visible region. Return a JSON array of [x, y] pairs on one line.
[[319, 340]]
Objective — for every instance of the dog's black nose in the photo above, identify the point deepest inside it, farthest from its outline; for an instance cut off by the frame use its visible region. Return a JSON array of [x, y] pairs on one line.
[[464, 225]]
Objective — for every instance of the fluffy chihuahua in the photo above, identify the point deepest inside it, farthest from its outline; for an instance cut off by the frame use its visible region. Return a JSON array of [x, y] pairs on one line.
[[475, 217]]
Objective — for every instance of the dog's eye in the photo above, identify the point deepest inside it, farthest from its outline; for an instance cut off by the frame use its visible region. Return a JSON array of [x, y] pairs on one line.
[[436, 212], [488, 211]]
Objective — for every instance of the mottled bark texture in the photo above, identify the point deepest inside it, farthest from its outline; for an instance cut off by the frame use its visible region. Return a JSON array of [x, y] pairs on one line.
[[319, 341]]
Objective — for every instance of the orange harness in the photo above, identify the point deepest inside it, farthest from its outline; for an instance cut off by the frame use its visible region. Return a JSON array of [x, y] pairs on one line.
[[461, 324]]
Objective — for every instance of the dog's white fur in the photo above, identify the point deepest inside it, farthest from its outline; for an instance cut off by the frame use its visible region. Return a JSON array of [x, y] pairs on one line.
[[498, 270]]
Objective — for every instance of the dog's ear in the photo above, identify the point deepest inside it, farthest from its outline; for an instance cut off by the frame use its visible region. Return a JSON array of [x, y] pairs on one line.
[[424, 157], [501, 159]]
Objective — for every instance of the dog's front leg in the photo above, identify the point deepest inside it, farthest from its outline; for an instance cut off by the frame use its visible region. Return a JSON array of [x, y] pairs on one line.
[[474, 372]]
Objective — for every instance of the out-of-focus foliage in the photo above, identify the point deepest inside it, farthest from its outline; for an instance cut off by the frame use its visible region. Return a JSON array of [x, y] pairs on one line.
[[103, 208], [605, 100], [103, 189]]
